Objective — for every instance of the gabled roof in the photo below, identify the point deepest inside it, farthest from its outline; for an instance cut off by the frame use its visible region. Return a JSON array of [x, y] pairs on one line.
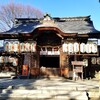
[[80, 25]]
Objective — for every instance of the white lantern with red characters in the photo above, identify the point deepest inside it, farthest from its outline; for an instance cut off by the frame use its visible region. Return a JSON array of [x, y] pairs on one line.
[[33, 47], [76, 47], [16, 46], [22, 49]]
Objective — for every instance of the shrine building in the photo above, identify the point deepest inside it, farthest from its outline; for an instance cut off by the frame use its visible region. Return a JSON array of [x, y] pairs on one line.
[[51, 47]]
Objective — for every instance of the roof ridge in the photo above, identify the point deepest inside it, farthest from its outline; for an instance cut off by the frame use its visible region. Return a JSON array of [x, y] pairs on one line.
[[79, 18]]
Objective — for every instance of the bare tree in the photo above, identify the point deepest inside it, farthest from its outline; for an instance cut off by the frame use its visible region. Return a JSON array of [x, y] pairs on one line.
[[10, 11]]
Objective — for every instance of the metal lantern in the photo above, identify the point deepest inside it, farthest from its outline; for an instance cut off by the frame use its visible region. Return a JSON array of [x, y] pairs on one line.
[[76, 47], [65, 47], [1, 59], [82, 48]]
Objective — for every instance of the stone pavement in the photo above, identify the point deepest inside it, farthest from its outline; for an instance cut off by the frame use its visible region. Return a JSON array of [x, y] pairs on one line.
[[48, 89]]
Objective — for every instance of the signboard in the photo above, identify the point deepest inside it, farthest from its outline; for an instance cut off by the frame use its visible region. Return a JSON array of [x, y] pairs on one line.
[[78, 69], [25, 70]]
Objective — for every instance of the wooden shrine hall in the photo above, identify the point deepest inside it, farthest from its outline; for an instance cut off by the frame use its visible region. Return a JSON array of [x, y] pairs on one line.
[[50, 47]]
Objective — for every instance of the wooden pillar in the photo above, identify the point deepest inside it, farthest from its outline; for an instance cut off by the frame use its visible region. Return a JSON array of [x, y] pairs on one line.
[[64, 60], [64, 63]]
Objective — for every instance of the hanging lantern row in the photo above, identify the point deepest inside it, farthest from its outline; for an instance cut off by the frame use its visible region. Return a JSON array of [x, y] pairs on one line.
[[19, 47], [9, 59], [95, 60], [76, 47]]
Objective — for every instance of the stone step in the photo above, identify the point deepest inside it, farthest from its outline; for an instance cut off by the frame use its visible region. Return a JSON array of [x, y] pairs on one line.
[[44, 94], [38, 91], [58, 88]]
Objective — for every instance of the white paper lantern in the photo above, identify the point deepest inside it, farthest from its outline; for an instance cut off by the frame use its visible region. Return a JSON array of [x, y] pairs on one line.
[[6, 47], [85, 62], [94, 48], [6, 59], [76, 47], [33, 47], [70, 48], [93, 60], [22, 47], [16, 46], [82, 48], [10, 59], [27, 47], [65, 47], [1, 59], [15, 62], [87, 48], [98, 60], [11, 46]]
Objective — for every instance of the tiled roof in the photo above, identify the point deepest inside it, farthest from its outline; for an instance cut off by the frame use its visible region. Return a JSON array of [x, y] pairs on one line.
[[80, 25]]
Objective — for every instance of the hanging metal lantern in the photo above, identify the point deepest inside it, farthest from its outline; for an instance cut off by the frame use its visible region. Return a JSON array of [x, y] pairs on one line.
[[82, 48], [93, 60], [65, 47], [76, 47], [94, 48], [1, 59]]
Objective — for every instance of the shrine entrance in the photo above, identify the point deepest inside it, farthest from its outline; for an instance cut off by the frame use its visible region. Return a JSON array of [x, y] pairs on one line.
[[50, 66], [49, 61]]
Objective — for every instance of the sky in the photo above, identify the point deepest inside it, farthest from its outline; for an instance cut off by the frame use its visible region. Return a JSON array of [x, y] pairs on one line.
[[65, 8]]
